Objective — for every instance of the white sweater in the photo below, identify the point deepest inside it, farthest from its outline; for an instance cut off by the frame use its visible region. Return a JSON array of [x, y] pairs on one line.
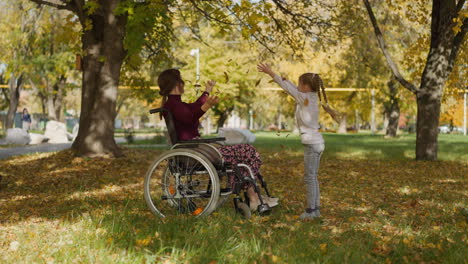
[[307, 112]]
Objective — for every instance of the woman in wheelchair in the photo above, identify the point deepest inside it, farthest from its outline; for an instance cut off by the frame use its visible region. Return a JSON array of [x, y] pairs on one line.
[[186, 117]]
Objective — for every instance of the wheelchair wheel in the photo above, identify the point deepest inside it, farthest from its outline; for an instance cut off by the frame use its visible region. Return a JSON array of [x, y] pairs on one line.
[[181, 182]]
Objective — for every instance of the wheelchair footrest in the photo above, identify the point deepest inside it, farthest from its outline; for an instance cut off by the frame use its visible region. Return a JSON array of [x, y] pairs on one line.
[[225, 191], [198, 195]]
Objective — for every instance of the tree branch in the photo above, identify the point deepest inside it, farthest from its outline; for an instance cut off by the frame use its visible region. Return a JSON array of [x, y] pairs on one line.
[[394, 68], [287, 11], [210, 17], [255, 36], [457, 43], [58, 6], [460, 6]]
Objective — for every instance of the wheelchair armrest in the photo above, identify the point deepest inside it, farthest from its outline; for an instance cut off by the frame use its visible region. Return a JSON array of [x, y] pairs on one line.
[[203, 140]]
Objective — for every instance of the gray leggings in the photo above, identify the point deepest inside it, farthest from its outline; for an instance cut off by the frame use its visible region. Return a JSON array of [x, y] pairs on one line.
[[312, 154]]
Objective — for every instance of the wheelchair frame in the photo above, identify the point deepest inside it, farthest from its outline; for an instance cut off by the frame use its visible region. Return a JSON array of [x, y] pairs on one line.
[[178, 197]]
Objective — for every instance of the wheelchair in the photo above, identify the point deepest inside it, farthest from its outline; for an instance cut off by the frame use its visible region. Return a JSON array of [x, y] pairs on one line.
[[193, 179]]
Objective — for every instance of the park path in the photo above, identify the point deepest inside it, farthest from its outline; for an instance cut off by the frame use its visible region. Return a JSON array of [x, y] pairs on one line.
[[47, 147]]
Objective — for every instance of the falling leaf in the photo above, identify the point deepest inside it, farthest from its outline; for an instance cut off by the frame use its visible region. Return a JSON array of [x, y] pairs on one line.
[[287, 136], [258, 82], [226, 77], [247, 71]]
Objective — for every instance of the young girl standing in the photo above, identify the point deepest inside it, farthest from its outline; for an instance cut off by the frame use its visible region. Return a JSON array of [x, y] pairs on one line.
[[307, 96]]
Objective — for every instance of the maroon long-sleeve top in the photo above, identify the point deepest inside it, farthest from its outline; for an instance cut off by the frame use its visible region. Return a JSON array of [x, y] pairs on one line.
[[186, 115]]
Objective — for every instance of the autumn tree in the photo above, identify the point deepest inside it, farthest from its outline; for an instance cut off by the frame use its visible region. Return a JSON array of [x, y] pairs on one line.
[[16, 49], [449, 24], [112, 30], [53, 60]]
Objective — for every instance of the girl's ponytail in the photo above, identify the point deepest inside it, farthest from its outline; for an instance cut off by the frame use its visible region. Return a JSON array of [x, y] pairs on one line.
[[323, 91]]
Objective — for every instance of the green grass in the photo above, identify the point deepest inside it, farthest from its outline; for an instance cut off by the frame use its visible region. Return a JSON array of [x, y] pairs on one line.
[[155, 140], [367, 146], [378, 206]]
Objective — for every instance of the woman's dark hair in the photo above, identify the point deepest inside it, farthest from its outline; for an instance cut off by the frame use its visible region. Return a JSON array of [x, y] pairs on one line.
[[25, 109], [167, 81]]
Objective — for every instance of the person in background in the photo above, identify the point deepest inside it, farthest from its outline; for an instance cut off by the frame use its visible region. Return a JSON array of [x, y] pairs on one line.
[[26, 118]]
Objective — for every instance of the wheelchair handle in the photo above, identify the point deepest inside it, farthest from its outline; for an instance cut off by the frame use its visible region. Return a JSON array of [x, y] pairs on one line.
[[158, 110]]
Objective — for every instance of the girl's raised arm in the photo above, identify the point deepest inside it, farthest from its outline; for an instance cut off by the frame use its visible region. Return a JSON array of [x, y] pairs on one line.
[[288, 86]]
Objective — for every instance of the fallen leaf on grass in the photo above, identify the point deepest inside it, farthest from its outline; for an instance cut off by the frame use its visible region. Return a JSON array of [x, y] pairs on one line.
[[323, 248]]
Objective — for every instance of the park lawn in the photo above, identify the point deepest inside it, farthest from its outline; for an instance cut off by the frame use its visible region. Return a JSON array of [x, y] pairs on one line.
[[378, 205], [368, 146]]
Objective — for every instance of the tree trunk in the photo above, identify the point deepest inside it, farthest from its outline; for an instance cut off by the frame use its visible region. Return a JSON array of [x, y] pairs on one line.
[[429, 96], [393, 120], [342, 125], [104, 54], [385, 121], [438, 66], [427, 127], [223, 116], [15, 86], [54, 99], [50, 102], [43, 104], [58, 98], [221, 120], [392, 109]]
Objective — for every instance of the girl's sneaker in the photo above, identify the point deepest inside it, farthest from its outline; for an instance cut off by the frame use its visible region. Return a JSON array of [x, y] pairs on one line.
[[310, 213]]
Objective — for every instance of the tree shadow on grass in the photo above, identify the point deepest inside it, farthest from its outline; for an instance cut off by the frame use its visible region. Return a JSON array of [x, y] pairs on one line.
[[59, 185]]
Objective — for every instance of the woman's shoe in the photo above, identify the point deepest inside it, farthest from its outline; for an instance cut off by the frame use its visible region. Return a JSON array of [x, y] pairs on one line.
[[271, 201]]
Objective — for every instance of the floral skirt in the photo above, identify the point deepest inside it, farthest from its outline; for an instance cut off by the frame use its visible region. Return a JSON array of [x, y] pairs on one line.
[[242, 153]]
